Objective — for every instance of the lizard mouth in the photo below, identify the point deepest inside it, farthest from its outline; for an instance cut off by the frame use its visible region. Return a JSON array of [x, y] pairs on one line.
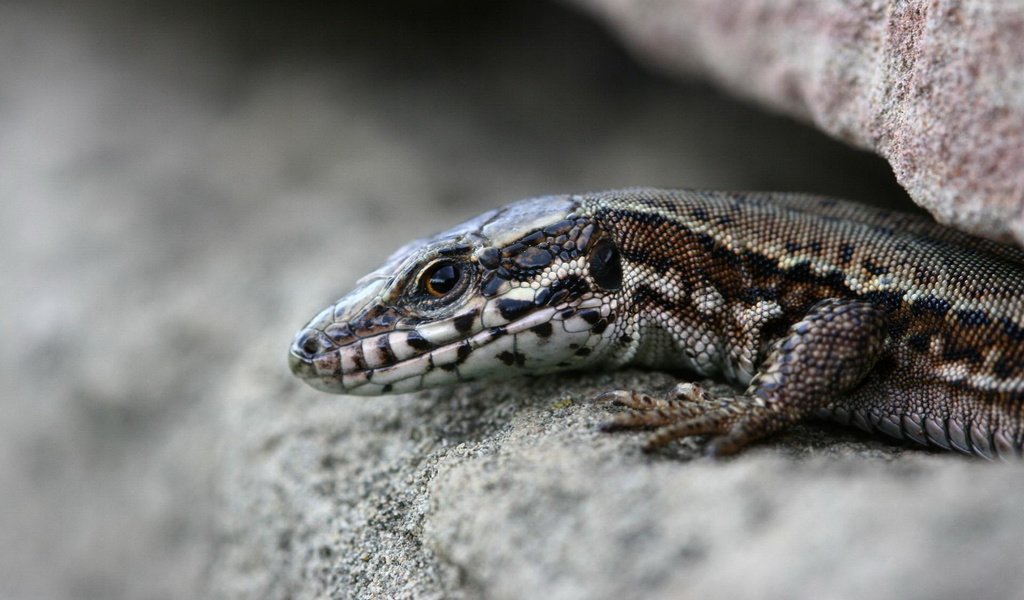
[[403, 360]]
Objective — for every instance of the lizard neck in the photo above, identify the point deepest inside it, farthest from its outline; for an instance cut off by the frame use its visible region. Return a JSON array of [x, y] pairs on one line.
[[680, 305]]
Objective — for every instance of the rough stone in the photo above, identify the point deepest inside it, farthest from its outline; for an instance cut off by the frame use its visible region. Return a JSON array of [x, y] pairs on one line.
[[934, 86]]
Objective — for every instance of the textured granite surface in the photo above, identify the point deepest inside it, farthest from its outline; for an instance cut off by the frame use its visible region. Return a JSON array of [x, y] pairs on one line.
[[182, 189], [934, 86]]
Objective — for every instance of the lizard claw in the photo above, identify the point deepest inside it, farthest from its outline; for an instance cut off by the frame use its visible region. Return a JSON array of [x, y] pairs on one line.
[[634, 400], [688, 410]]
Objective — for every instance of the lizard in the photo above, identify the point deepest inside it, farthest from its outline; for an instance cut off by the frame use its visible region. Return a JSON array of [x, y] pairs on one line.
[[809, 306]]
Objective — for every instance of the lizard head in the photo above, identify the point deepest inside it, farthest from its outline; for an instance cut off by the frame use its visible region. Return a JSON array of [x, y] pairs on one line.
[[532, 287]]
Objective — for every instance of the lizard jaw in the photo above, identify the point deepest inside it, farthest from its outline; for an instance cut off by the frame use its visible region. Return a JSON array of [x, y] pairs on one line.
[[353, 368]]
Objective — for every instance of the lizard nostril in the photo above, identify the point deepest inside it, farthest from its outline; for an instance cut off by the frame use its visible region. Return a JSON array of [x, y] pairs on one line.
[[308, 343]]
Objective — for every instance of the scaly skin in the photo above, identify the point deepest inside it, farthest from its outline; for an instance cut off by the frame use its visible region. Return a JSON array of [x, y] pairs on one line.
[[812, 306]]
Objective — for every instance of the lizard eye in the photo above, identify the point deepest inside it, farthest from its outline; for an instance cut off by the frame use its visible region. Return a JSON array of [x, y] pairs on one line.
[[440, 278], [605, 266]]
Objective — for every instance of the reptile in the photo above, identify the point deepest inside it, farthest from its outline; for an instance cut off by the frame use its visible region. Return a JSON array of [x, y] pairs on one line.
[[809, 306]]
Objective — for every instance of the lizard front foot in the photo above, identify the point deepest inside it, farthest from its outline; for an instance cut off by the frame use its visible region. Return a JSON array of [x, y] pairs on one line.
[[688, 410], [829, 351]]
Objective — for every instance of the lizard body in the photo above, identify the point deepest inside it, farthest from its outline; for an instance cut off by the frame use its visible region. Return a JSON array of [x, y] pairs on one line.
[[813, 306]]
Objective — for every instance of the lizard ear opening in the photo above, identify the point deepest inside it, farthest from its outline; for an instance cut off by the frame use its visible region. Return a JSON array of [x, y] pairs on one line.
[[606, 265]]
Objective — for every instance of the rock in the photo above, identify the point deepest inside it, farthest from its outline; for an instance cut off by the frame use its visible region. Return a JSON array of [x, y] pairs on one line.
[[934, 86], [509, 491]]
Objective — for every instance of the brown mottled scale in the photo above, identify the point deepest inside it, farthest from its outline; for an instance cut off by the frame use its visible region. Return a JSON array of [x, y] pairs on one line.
[[878, 319]]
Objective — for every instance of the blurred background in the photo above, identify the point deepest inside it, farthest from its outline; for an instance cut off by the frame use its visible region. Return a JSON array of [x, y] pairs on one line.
[[182, 182]]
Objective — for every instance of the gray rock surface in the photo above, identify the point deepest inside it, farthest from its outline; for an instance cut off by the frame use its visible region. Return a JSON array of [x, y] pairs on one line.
[[935, 87], [181, 190]]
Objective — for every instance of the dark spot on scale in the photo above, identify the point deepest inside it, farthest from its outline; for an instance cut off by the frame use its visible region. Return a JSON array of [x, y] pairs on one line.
[[760, 264], [463, 323], [568, 313], [590, 315], [512, 309], [564, 363], [454, 250], [449, 367], [542, 297], [489, 258], [557, 297], [706, 240], [625, 339], [378, 317], [512, 249], [930, 304], [801, 272], [569, 285], [885, 299], [1004, 368], [559, 228], [792, 246], [517, 359], [845, 254], [534, 258], [532, 239], [584, 239], [725, 255], [700, 214], [1012, 330], [834, 279], [418, 342], [384, 353], [918, 342], [573, 346], [968, 353], [338, 332], [873, 268], [465, 349], [898, 326], [492, 285], [753, 294], [973, 318], [387, 388], [583, 352], [600, 326], [497, 332], [543, 329]]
